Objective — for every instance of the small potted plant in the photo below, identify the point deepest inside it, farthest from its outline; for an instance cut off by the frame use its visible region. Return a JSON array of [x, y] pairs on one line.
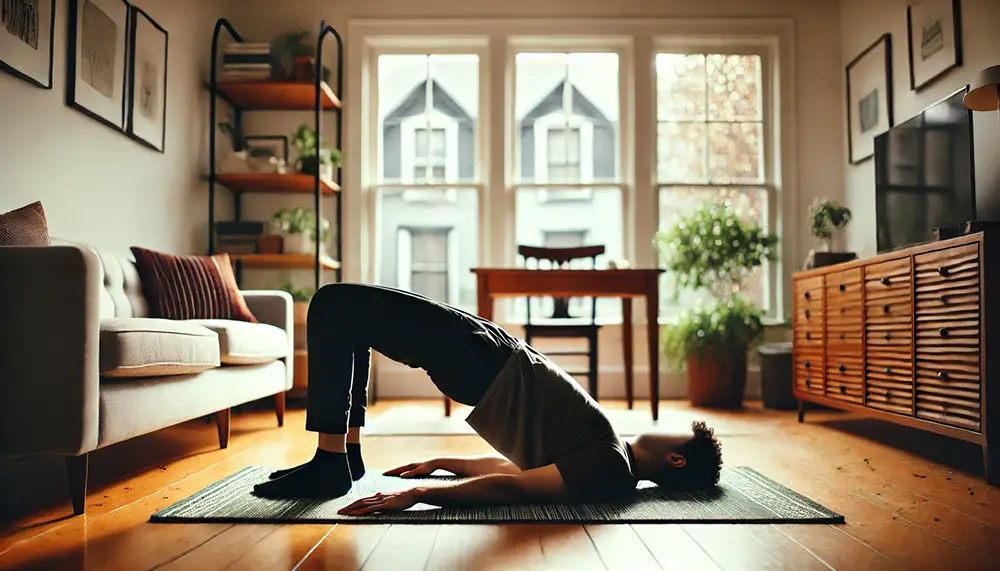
[[298, 47], [298, 228], [714, 251], [300, 300], [827, 219], [304, 140]]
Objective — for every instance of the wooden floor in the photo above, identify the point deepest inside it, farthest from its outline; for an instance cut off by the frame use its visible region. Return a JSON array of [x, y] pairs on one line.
[[912, 500]]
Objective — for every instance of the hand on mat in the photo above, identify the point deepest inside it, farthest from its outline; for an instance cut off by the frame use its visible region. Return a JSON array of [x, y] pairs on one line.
[[381, 503], [414, 470]]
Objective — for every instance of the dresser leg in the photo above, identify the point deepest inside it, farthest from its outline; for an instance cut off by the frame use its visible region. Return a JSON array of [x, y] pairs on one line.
[[802, 410], [991, 465]]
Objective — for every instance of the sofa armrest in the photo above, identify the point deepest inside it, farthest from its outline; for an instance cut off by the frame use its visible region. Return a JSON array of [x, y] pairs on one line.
[[275, 308], [49, 349]]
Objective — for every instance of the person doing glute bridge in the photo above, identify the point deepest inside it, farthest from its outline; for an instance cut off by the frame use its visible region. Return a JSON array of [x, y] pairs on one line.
[[554, 440]]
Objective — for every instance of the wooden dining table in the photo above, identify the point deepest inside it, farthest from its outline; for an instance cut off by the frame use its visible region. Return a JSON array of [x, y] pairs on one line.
[[627, 284]]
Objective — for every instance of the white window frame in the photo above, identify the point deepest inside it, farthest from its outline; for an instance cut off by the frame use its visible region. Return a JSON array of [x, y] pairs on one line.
[[496, 41], [407, 147], [558, 121], [768, 167], [404, 258]]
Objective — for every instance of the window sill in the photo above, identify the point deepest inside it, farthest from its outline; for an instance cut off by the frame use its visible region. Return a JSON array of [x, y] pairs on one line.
[[768, 321]]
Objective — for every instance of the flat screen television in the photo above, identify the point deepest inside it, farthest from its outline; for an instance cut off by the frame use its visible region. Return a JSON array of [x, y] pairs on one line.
[[924, 176]]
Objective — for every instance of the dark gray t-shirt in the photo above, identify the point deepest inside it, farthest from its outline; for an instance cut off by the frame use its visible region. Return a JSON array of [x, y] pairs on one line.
[[535, 414]]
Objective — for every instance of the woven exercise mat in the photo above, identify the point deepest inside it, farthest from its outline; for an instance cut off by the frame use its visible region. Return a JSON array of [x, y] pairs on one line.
[[423, 420], [744, 496]]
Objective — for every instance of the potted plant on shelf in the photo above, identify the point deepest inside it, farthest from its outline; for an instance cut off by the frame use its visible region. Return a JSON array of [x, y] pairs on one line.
[[304, 140], [300, 300], [712, 250], [827, 219], [298, 229], [298, 47]]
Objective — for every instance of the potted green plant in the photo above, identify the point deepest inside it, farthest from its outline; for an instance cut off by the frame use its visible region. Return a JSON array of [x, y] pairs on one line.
[[298, 228], [300, 300], [827, 219], [304, 141], [713, 250]]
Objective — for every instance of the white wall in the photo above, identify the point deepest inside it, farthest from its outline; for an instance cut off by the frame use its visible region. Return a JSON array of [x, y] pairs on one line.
[[97, 185], [862, 22]]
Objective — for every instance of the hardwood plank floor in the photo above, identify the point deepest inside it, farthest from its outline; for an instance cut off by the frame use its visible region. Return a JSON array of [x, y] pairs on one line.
[[912, 500]]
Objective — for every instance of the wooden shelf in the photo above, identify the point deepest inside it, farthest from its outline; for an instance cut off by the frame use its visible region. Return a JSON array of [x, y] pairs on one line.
[[283, 261], [275, 183], [275, 95]]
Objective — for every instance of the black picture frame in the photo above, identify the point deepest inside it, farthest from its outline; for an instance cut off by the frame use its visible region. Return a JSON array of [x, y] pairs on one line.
[[282, 139], [9, 66], [886, 77], [155, 143], [72, 96], [956, 14]]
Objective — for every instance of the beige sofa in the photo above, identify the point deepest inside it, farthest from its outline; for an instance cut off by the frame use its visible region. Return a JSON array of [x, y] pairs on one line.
[[82, 367]]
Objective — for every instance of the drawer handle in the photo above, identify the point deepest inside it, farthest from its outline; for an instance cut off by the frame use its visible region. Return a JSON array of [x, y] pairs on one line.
[[943, 375], [843, 287], [808, 364], [808, 314], [843, 309], [809, 335], [842, 368], [808, 295], [808, 383], [843, 336], [885, 281], [945, 299], [885, 308], [943, 332], [944, 272], [887, 371], [843, 390], [887, 336]]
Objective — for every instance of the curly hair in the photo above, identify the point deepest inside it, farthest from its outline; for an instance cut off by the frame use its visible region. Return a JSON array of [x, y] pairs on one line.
[[703, 453]]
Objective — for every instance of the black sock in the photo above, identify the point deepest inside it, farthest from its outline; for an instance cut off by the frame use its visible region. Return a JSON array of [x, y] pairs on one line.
[[355, 461], [327, 475]]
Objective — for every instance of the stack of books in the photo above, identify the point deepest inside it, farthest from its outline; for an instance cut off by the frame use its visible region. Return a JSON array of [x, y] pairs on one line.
[[238, 237], [247, 61]]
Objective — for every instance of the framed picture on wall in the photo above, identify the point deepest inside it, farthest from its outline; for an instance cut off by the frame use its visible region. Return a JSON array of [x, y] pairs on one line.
[[147, 93], [95, 69], [869, 98], [27, 29], [934, 34]]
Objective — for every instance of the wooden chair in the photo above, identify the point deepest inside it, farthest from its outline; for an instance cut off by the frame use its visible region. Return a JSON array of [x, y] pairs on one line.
[[561, 324]]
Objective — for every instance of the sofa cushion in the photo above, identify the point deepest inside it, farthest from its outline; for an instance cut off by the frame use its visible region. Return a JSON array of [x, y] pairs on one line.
[[25, 226], [190, 287], [142, 347], [242, 343]]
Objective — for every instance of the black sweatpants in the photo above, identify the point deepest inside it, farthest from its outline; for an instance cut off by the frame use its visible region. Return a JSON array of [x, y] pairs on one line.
[[461, 352]]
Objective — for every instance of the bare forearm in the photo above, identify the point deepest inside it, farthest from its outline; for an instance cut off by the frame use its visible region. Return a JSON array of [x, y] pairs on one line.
[[477, 466], [494, 488]]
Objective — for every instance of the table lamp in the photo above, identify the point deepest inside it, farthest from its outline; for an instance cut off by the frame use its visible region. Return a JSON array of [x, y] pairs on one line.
[[984, 93]]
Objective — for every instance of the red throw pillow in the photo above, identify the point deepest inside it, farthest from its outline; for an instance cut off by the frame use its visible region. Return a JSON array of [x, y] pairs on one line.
[[190, 287], [25, 226]]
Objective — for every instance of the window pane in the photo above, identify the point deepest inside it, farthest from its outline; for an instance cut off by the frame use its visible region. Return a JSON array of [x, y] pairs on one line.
[[734, 88], [749, 203], [734, 153], [431, 284], [680, 87], [420, 93], [590, 222], [423, 232], [558, 89], [680, 152]]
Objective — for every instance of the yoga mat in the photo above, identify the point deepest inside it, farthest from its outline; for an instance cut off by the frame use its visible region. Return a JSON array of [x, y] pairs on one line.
[[744, 496], [424, 420]]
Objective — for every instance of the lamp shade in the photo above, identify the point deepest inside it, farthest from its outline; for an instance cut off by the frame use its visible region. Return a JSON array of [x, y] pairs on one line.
[[984, 95]]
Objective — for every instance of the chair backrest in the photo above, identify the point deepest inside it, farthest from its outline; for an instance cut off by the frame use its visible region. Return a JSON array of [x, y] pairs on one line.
[[560, 258]]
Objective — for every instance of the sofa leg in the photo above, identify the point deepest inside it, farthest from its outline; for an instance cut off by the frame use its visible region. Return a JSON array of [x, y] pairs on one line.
[[76, 469], [222, 423], [279, 407]]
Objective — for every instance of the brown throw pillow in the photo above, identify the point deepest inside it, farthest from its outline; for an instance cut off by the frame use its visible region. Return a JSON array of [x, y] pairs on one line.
[[190, 287], [25, 226]]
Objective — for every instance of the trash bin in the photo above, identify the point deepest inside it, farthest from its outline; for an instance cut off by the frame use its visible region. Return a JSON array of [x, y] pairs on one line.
[[776, 376]]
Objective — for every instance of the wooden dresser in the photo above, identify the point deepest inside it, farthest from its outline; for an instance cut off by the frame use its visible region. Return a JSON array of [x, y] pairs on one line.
[[911, 337]]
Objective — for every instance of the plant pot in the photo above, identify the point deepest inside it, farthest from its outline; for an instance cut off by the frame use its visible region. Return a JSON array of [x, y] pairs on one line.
[[304, 70], [299, 244], [309, 166], [718, 379], [301, 312]]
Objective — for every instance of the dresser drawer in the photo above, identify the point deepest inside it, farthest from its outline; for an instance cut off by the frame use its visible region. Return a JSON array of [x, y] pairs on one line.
[[844, 377], [888, 279], [949, 385], [809, 372], [809, 338]]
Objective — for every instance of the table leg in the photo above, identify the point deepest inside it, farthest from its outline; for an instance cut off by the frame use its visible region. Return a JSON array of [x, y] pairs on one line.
[[652, 333], [627, 346]]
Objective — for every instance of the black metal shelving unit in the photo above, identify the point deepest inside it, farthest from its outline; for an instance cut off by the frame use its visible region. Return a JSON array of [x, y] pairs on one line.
[[244, 96]]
